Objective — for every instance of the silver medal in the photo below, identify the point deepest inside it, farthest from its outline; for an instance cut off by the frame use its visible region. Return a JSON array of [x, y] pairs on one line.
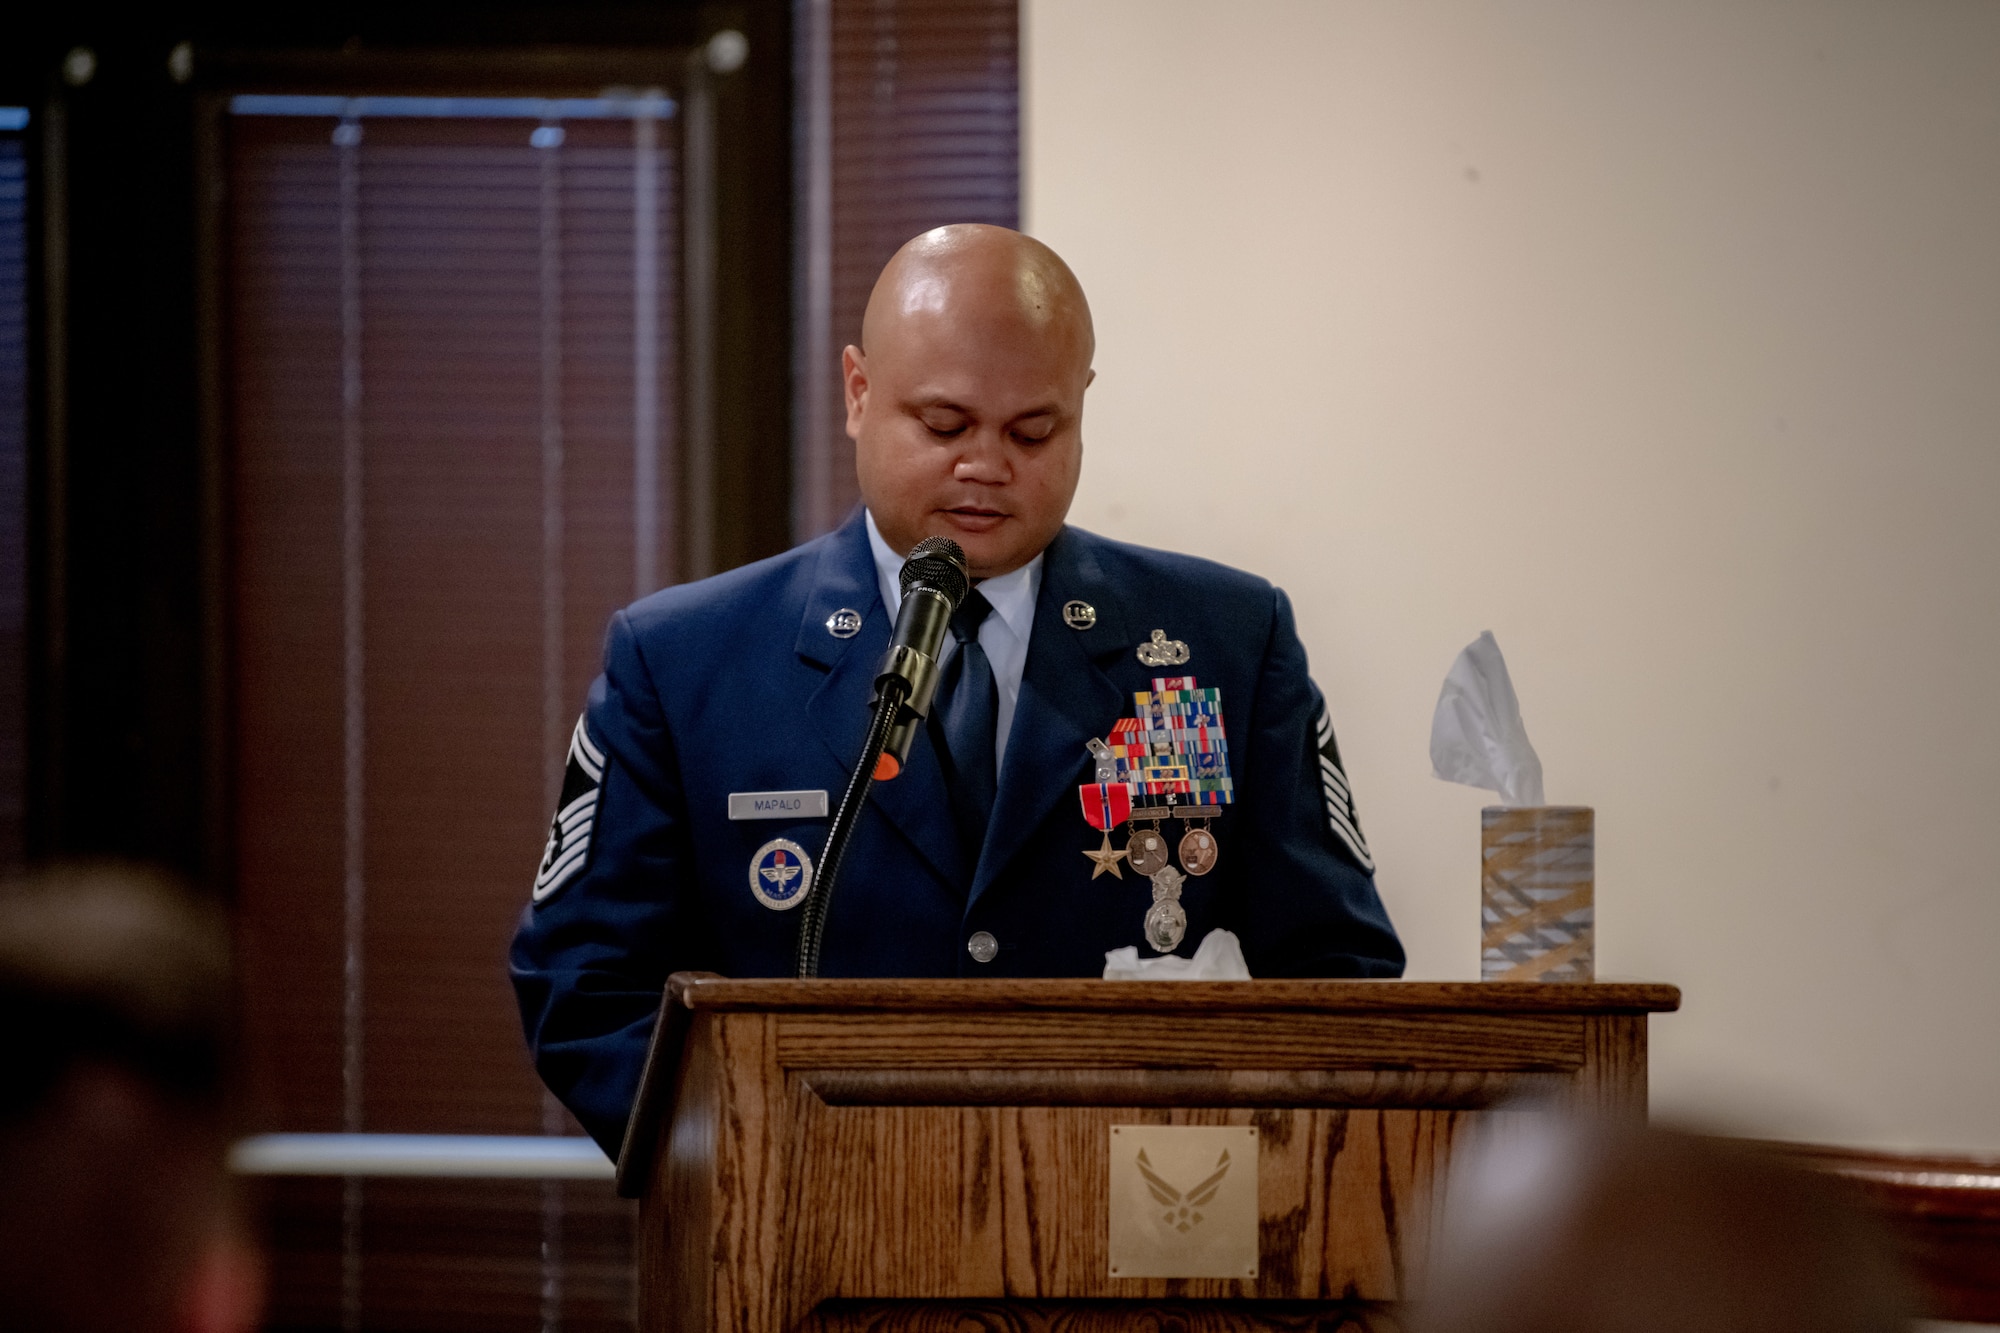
[[1166, 922]]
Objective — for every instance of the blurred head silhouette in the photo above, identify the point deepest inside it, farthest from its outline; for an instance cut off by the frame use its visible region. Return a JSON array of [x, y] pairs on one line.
[[1560, 1226], [114, 1211]]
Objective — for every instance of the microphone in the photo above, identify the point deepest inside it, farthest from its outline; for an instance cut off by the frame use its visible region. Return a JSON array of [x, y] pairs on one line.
[[934, 582]]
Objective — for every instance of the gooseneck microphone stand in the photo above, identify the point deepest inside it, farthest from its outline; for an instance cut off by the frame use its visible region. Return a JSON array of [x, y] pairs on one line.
[[812, 923], [934, 583]]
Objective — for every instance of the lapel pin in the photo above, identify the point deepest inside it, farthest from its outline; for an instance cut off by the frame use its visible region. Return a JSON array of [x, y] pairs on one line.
[[1163, 651], [844, 623], [1079, 615]]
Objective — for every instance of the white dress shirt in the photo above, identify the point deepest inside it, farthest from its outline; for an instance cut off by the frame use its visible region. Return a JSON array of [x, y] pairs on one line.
[[1004, 634]]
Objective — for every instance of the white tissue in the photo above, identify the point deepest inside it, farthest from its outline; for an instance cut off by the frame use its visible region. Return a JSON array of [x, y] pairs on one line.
[[1220, 958], [1476, 734]]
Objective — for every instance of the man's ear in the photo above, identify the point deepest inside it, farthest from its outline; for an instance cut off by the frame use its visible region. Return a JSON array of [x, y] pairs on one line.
[[854, 383]]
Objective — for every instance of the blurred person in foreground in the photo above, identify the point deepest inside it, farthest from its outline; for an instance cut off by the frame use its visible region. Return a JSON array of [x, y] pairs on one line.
[[115, 1209], [1564, 1226]]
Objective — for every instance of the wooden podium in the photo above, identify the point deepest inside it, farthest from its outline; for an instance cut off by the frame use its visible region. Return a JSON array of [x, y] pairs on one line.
[[901, 1154]]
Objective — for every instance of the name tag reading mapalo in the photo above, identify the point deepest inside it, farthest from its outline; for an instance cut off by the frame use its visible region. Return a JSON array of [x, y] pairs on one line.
[[777, 805]]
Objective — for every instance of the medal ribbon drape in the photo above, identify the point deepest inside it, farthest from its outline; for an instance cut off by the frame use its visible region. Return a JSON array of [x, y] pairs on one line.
[[1106, 805], [968, 702]]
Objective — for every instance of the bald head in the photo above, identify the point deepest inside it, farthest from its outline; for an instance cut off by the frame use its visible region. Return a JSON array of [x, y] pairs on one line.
[[965, 395], [972, 270]]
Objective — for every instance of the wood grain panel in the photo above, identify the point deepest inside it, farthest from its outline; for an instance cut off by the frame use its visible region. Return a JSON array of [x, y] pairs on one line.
[[908, 1202], [1615, 1065], [1099, 1317], [676, 1215], [1461, 1090], [1277, 1040], [912, 1167], [942, 1021]]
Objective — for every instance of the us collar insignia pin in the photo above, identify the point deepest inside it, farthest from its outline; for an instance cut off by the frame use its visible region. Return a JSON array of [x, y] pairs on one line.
[[1079, 614], [781, 874], [844, 623], [1163, 651]]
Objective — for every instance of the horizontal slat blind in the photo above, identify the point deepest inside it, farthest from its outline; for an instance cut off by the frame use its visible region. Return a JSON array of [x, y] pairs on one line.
[[438, 455], [925, 130]]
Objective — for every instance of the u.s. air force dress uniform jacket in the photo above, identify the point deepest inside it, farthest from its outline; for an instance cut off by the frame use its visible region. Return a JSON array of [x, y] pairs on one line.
[[745, 683]]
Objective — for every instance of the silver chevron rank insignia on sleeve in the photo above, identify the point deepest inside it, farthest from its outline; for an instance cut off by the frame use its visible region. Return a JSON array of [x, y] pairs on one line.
[[1340, 812], [568, 849]]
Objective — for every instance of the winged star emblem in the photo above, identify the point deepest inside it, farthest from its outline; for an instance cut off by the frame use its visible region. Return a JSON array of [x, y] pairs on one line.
[[1182, 1210], [781, 875]]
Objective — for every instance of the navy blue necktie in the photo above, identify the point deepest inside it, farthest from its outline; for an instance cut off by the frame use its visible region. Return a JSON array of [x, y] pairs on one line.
[[966, 704]]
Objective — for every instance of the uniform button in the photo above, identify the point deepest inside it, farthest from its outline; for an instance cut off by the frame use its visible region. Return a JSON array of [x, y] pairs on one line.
[[982, 946]]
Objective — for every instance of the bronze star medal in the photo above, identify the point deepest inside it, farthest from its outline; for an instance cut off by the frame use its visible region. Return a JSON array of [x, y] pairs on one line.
[[1106, 858], [1107, 803]]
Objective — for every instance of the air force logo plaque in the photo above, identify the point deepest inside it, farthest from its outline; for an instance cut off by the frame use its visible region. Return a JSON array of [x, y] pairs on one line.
[[781, 874], [1183, 1201]]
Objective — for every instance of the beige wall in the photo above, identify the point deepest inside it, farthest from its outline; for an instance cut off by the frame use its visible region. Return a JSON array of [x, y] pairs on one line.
[[1664, 341]]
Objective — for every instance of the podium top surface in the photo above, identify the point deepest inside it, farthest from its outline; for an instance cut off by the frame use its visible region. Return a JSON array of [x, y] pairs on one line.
[[1190, 1007], [706, 991]]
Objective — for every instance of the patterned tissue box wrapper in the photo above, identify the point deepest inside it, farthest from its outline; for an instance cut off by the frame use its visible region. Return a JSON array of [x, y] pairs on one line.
[[1537, 893]]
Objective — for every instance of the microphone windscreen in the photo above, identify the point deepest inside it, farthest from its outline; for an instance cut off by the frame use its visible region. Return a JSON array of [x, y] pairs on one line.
[[937, 563]]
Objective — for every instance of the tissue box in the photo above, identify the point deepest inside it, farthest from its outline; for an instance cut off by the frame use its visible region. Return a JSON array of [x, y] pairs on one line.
[[1537, 893]]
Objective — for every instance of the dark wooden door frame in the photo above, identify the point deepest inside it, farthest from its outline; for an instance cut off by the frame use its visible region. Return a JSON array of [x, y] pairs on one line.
[[735, 396]]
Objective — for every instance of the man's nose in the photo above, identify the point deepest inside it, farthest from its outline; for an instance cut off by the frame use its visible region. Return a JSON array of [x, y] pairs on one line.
[[983, 459]]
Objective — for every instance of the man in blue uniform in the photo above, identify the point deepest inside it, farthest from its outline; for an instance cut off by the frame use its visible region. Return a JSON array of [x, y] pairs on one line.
[[703, 772]]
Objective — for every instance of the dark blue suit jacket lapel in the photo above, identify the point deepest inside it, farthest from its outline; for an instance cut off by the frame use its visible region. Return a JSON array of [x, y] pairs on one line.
[[1066, 699], [915, 802]]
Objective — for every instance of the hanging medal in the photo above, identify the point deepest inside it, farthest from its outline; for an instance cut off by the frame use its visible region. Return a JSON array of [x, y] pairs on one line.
[[1166, 919], [1198, 849], [1146, 849], [1106, 805], [1171, 751]]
